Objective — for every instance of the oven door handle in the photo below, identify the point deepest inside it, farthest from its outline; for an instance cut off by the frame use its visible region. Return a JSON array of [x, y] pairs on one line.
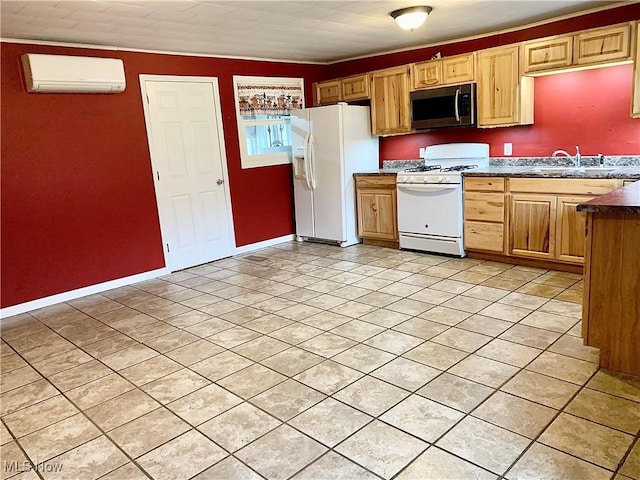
[[428, 187]]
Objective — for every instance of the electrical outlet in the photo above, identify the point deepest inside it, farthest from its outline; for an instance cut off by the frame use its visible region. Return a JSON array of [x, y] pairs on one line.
[[508, 149], [422, 149]]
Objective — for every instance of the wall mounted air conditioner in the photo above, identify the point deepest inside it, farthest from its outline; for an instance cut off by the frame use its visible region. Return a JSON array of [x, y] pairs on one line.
[[69, 74]]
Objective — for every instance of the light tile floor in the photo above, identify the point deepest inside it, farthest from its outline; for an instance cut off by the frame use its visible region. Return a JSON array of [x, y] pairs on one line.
[[308, 361]]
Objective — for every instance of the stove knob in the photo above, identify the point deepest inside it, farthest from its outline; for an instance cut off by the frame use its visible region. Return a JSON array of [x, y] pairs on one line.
[[412, 179], [440, 179]]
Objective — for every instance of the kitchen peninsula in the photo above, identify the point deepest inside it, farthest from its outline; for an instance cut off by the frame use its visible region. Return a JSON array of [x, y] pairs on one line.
[[611, 308]]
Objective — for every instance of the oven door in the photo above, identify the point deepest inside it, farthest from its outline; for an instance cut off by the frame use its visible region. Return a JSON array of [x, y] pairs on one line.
[[430, 209]]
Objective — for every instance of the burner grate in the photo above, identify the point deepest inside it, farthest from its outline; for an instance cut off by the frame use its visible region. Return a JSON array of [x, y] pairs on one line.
[[458, 168], [424, 168]]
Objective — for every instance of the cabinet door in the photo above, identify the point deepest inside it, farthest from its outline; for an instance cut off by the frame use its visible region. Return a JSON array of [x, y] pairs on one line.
[[458, 69], [602, 45], [355, 88], [377, 213], [635, 106], [426, 74], [550, 53], [390, 106], [532, 226], [327, 92], [570, 229], [498, 87]]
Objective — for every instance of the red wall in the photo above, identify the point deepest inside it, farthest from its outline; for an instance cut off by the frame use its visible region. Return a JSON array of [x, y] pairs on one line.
[[590, 108], [77, 198]]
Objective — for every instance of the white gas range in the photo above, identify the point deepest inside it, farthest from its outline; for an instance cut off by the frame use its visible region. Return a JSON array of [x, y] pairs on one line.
[[430, 198]]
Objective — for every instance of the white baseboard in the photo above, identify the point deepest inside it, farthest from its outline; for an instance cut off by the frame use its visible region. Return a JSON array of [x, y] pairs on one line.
[[264, 244], [80, 292], [121, 282]]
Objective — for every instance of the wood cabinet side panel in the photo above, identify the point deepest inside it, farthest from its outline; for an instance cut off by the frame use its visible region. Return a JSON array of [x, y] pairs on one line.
[[635, 101], [614, 290]]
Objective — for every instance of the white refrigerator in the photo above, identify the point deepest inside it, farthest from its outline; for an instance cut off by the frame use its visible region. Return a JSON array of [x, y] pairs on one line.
[[330, 144]]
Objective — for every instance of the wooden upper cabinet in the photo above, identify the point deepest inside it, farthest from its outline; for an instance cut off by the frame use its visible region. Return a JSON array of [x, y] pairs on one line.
[[602, 45], [327, 93], [532, 226], [504, 98], [355, 87], [445, 71], [458, 69], [635, 101], [426, 74], [546, 54], [390, 106], [570, 229]]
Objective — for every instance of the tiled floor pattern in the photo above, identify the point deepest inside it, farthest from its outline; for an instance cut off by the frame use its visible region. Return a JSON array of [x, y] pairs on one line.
[[308, 361]]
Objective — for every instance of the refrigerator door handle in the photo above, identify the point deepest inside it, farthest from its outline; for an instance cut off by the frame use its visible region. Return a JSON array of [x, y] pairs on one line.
[[307, 166], [312, 162]]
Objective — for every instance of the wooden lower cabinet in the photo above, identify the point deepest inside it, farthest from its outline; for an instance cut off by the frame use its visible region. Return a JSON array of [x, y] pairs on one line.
[[570, 229], [541, 221], [532, 226], [484, 212], [377, 209]]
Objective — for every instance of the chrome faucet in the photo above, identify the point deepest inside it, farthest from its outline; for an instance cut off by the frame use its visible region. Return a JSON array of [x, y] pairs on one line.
[[577, 160]]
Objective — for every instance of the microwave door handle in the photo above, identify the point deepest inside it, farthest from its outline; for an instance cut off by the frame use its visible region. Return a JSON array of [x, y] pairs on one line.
[[457, 105]]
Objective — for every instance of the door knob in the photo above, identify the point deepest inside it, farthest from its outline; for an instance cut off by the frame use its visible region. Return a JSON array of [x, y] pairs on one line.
[[220, 181]]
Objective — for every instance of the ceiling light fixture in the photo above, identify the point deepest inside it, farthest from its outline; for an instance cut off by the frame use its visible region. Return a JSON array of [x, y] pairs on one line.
[[411, 18]]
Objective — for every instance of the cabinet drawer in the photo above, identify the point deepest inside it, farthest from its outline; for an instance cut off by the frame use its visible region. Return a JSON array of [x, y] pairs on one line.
[[485, 207], [376, 181], [571, 186], [484, 236], [484, 184]]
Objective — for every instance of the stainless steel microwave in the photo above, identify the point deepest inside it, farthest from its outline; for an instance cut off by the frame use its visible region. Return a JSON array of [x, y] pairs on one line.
[[453, 106]]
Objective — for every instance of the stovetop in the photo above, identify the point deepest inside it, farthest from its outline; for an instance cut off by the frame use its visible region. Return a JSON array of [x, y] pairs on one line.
[[435, 169]]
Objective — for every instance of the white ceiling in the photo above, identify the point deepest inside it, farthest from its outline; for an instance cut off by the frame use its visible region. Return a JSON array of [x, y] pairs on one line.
[[308, 31]]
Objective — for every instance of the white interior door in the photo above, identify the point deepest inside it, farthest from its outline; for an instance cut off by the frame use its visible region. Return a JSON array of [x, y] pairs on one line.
[[186, 144]]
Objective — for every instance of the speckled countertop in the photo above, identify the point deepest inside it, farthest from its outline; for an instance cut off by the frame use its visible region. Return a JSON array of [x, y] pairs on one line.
[[555, 172], [622, 166], [623, 200], [382, 171]]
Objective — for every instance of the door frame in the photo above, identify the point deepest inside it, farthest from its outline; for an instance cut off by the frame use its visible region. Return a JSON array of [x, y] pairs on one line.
[[213, 81]]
